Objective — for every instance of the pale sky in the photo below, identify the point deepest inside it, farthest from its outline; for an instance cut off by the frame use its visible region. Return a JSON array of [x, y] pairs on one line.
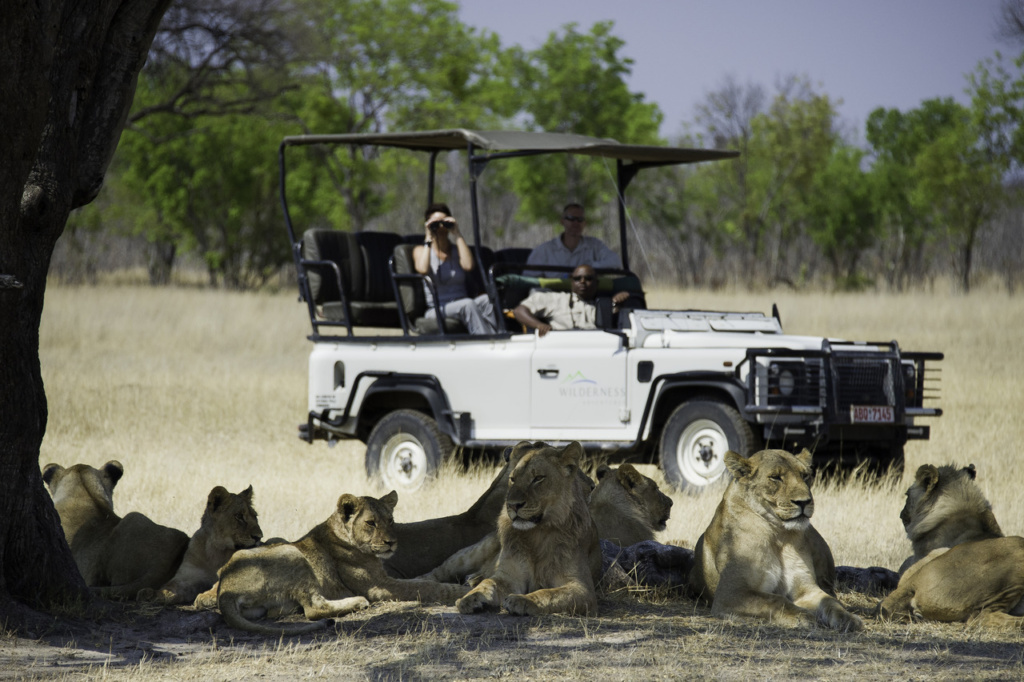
[[868, 53]]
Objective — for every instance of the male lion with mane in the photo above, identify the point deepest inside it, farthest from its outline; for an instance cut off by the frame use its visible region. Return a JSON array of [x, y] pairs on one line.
[[550, 556], [336, 568], [962, 569], [945, 507], [760, 557], [627, 508], [116, 556]]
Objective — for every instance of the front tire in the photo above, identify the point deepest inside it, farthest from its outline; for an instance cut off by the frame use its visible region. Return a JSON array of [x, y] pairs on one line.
[[695, 439], [405, 450]]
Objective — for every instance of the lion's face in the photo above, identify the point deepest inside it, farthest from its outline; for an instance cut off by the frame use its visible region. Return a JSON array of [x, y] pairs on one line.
[[627, 486], [370, 523], [776, 484], [232, 519], [930, 485], [540, 485], [81, 483]]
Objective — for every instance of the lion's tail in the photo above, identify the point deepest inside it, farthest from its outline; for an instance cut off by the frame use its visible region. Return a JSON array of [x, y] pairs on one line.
[[233, 615]]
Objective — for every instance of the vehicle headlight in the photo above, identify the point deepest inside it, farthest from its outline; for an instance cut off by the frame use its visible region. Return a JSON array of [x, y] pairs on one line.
[[787, 382]]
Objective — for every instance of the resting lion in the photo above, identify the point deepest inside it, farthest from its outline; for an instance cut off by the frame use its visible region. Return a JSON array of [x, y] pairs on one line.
[[550, 556], [760, 557], [627, 508], [229, 523], [945, 507], [117, 556], [424, 545], [980, 582], [333, 570]]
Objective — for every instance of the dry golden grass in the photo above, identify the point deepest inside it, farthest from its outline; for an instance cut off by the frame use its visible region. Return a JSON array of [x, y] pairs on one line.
[[190, 389]]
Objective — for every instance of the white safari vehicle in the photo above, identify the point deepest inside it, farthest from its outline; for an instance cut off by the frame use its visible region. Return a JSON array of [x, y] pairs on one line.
[[679, 387]]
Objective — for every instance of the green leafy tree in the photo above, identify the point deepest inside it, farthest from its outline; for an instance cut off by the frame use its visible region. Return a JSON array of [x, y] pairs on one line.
[[959, 185], [791, 145], [896, 138], [763, 203], [575, 83], [844, 214], [207, 185], [940, 171], [378, 65]]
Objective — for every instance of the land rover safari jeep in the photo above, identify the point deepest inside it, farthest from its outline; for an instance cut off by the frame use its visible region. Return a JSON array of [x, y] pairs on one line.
[[677, 387]]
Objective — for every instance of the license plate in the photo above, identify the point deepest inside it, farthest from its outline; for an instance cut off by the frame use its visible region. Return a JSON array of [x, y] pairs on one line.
[[872, 414]]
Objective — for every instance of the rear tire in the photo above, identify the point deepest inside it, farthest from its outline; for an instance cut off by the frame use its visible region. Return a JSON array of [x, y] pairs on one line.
[[695, 440], [405, 450]]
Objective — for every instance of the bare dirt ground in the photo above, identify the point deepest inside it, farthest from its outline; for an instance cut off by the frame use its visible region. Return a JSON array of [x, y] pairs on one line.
[[637, 635]]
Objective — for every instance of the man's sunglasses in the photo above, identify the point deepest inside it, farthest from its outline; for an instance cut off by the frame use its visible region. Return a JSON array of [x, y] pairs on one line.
[[584, 278], [574, 218]]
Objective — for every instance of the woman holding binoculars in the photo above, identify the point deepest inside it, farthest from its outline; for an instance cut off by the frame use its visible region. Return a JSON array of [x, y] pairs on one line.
[[445, 258]]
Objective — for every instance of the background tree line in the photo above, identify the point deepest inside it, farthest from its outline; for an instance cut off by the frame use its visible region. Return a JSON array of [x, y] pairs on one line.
[[920, 194]]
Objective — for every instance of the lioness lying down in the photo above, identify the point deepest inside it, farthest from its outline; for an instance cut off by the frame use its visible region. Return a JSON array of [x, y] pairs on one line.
[[760, 557], [423, 545], [550, 556], [945, 507], [334, 569], [979, 582], [228, 524], [117, 556]]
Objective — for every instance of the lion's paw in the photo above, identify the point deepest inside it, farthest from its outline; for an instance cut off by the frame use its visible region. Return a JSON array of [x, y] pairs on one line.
[[520, 605], [474, 602]]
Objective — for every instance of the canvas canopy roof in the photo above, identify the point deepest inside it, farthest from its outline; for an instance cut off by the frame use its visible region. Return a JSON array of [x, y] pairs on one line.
[[520, 141]]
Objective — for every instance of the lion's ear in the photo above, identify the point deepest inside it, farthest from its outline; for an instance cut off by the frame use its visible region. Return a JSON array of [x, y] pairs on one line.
[[247, 494], [927, 477], [515, 453], [602, 471], [114, 470], [572, 454], [390, 500], [805, 457], [348, 505], [216, 498], [51, 470], [629, 476], [738, 465], [971, 471]]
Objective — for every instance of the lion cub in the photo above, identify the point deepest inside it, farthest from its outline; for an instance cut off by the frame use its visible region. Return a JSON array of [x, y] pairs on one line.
[[336, 568], [116, 556], [760, 557], [549, 551], [228, 524]]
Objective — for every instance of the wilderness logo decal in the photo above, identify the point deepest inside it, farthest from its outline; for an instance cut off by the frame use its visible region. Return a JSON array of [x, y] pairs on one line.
[[576, 385]]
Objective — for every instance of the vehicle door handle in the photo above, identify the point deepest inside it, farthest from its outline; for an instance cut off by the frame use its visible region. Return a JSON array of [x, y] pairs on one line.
[[547, 372]]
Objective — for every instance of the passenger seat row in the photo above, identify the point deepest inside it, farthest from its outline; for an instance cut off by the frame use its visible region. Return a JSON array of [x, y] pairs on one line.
[[375, 270]]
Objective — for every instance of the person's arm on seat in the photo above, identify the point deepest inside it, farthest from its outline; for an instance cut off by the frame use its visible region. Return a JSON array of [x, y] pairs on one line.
[[526, 318]]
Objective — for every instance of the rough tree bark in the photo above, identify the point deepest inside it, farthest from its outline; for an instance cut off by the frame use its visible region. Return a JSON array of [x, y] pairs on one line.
[[68, 71]]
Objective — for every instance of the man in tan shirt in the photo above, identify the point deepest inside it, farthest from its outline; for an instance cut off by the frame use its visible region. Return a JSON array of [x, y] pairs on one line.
[[546, 310]]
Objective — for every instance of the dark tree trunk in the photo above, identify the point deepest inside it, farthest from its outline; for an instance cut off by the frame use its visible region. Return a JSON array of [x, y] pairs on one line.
[[67, 77]]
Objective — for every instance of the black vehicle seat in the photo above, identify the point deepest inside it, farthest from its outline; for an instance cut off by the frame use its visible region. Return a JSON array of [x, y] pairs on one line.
[[362, 273]]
